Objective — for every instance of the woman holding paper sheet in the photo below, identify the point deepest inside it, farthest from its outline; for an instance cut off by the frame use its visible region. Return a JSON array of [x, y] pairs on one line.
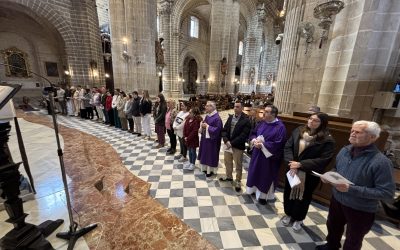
[[310, 148]]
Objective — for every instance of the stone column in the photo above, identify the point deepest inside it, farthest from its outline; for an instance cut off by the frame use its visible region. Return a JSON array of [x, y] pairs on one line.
[[133, 35], [165, 24], [233, 47], [85, 62], [223, 42], [287, 63], [253, 43], [270, 56]]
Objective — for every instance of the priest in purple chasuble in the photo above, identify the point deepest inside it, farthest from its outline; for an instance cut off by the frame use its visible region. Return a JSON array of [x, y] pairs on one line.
[[268, 140], [210, 142]]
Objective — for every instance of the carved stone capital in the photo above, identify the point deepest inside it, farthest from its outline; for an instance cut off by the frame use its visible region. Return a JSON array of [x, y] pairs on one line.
[[261, 13], [166, 7]]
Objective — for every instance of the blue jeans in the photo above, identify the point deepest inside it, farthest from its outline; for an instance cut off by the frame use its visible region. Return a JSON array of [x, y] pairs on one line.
[[192, 155], [117, 122]]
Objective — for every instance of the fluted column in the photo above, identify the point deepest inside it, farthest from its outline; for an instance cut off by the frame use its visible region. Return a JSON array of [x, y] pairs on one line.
[[287, 63], [233, 46], [223, 43], [253, 43], [165, 24], [270, 56], [133, 35]]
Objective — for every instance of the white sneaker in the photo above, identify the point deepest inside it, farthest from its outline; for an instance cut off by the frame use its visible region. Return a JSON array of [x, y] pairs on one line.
[[191, 167], [286, 220], [186, 166], [182, 159], [297, 226]]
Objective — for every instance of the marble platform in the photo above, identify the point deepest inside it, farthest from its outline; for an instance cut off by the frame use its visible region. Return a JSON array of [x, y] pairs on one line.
[[125, 221]]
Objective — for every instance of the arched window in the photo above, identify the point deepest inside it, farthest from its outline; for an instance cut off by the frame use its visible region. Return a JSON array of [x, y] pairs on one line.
[[240, 50], [17, 65], [194, 27]]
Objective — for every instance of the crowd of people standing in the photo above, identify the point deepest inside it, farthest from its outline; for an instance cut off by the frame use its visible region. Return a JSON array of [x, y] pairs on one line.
[[309, 148]]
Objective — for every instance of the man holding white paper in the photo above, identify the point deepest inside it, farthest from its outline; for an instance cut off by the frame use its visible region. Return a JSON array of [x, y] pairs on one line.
[[355, 205], [267, 139], [235, 134]]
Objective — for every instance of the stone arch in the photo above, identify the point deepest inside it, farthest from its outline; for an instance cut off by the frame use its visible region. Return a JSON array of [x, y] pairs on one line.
[[201, 61], [45, 15]]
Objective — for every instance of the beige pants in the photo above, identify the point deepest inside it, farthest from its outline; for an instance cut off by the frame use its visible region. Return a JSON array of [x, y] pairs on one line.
[[137, 120], [229, 158]]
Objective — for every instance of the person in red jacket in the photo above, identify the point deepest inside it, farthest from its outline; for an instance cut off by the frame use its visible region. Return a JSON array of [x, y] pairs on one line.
[[191, 136], [108, 107]]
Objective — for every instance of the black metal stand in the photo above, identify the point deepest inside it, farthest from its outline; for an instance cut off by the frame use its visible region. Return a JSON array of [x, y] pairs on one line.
[[73, 234], [23, 236]]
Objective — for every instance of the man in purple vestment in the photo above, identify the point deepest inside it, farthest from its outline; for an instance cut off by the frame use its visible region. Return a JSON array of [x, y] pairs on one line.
[[210, 142], [268, 139]]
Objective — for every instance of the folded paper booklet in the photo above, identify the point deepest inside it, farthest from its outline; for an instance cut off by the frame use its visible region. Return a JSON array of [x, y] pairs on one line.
[[226, 149], [333, 178], [293, 180], [265, 151]]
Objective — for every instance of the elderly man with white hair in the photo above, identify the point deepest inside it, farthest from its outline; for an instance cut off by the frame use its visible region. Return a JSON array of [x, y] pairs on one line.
[[210, 142], [355, 204]]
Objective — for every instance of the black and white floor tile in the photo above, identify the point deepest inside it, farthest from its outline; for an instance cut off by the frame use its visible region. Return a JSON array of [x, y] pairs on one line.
[[228, 219]]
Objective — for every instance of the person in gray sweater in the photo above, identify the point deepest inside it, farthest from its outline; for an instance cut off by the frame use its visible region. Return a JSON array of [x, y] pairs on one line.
[[355, 204]]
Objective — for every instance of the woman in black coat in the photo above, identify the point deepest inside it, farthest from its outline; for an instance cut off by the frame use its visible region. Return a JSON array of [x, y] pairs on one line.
[[310, 148]]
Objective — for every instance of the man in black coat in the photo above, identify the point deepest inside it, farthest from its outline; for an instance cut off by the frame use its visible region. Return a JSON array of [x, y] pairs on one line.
[[235, 134]]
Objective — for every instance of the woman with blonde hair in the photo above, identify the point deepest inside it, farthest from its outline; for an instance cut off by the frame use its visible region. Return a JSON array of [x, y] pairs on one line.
[[169, 121]]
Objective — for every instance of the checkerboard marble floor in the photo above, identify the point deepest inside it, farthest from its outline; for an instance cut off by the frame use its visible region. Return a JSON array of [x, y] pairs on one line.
[[227, 219]]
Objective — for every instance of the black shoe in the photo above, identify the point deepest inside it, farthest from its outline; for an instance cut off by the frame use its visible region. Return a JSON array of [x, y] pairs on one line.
[[262, 201], [322, 247], [210, 174], [238, 189], [225, 179], [204, 171], [139, 134], [169, 150]]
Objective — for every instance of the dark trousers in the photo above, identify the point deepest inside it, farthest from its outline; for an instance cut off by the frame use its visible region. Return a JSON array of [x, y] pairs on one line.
[[107, 120], [130, 122], [83, 113], [95, 110], [182, 146], [192, 155], [111, 117], [160, 130], [172, 139], [89, 113], [358, 225], [117, 121], [298, 209]]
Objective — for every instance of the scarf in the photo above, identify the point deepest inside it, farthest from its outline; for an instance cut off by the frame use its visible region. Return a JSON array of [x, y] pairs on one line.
[[298, 191]]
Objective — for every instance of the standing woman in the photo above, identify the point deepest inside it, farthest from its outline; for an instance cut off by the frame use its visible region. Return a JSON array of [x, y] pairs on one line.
[[191, 136], [120, 108], [108, 107], [310, 148], [169, 120], [178, 126], [159, 120], [128, 112], [145, 113]]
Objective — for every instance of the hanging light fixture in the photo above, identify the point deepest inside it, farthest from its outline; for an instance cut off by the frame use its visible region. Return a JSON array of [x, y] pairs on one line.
[[324, 13]]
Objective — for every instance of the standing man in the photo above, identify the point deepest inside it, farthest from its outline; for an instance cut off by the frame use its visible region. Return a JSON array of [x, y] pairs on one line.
[[235, 134], [136, 114], [210, 142], [62, 103], [355, 205], [267, 139]]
